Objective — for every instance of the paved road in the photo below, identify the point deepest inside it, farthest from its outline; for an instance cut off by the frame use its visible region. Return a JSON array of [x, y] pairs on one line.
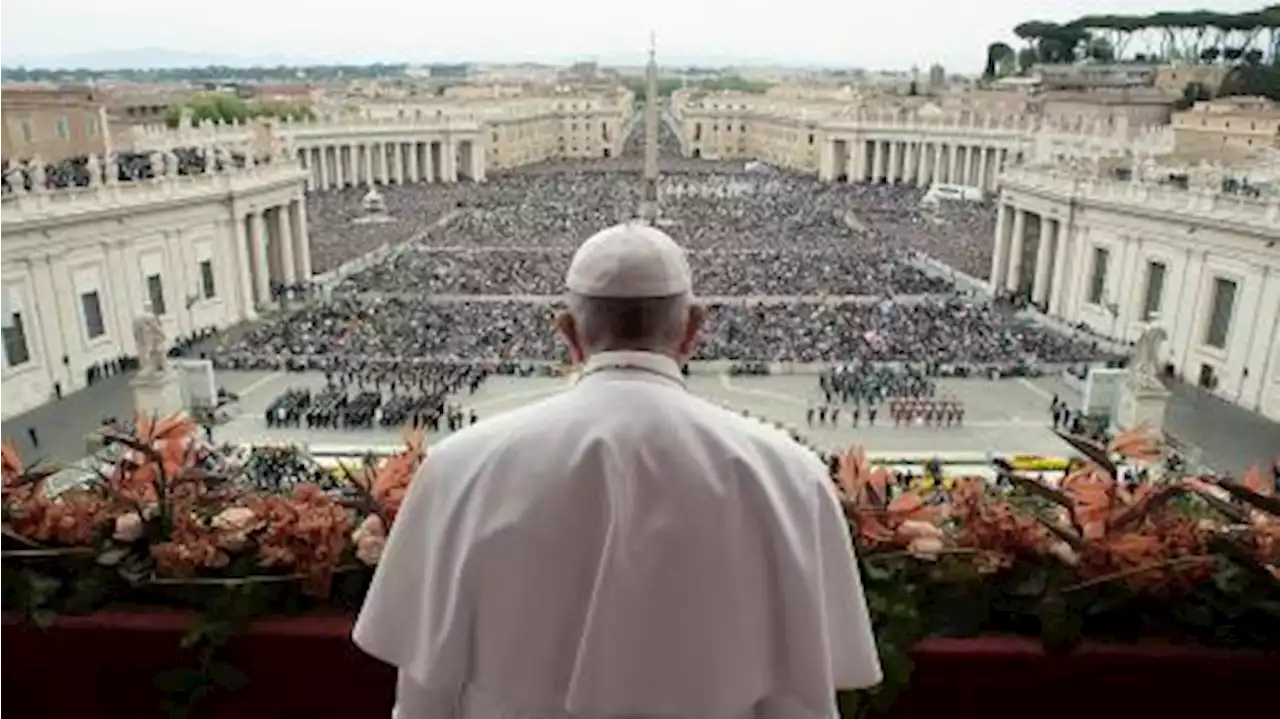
[[1006, 416], [1225, 437]]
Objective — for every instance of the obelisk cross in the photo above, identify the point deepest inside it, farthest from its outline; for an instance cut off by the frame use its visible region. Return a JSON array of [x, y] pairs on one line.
[[649, 205]]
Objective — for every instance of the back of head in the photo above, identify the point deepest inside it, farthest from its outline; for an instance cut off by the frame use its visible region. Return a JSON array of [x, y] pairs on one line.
[[630, 288]]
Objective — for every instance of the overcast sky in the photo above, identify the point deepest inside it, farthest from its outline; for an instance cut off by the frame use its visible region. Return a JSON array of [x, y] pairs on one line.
[[894, 34]]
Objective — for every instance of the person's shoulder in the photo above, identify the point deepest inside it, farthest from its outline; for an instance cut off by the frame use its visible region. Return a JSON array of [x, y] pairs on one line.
[[500, 429], [766, 441]]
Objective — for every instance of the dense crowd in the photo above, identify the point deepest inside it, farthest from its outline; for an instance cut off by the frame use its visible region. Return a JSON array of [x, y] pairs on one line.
[[946, 330], [791, 241], [958, 234]]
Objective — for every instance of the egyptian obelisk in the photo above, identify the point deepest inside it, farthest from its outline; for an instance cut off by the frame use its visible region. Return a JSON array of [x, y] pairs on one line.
[[649, 205]]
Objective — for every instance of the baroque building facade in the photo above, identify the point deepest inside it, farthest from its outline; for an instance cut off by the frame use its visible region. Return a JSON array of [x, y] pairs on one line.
[[207, 250], [1115, 224], [81, 264]]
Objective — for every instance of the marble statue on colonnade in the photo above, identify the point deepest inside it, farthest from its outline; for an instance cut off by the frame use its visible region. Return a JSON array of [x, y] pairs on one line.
[[1143, 396], [148, 335], [157, 389], [15, 179], [94, 168], [35, 169]]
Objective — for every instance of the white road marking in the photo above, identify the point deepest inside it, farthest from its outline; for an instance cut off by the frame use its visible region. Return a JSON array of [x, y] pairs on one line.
[[514, 397], [1031, 386], [259, 384], [784, 398]]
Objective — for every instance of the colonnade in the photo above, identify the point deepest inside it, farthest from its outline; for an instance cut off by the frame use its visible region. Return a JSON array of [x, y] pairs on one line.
[[1021, 236], [272, 250], [339, 164], [922, 162]]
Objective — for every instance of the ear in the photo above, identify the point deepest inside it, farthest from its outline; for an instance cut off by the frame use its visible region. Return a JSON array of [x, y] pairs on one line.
[[692, 326], [568, 329]]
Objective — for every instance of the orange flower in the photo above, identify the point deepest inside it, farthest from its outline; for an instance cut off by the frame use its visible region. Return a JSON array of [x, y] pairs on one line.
[[392, 478], [165, 446], [73, 519], [306, 533], [1138, 444], [864, 492]]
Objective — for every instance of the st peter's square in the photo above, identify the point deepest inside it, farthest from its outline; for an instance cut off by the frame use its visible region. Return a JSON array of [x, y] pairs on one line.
[[1026, 315]]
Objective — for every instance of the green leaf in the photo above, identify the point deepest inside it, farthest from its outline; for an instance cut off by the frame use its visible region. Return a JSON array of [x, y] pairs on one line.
[[1031, 584], [179, 682], [1060, 626], [112, 557], [226, 676], [43, 618]]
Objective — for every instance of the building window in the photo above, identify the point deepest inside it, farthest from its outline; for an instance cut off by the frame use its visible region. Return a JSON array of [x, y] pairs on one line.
[[1155, 290], [207, 288], [1098, 276], [91, 307], [60, 127], [155, 294], [1224, 305], [16, 351]]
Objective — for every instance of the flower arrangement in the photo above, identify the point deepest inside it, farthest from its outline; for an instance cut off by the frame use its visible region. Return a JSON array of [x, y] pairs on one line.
[[1176, 557]]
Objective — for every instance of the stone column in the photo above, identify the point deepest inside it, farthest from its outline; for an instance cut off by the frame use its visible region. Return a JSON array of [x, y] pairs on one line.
[[935, 175], [304, 156], [982, 168], [244, 268], [302, 240], [477, 162], [261, 265], [858, 171], [385, 163], [954, 177], [1014, 276], [45, 323], [967, 166], [1062, 255], [414, 175], [921, 165], [449, 160], [285, 236], [895, 158], [1001, 254], [1044, 260], [367, 160], [397, 162], [877, 161], [323, 153], [341, 161]]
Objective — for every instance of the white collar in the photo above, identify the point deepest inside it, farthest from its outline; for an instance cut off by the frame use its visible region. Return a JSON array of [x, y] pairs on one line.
[[650, 363]]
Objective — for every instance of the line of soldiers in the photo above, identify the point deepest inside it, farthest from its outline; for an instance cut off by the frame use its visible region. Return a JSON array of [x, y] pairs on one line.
[[930, 412]]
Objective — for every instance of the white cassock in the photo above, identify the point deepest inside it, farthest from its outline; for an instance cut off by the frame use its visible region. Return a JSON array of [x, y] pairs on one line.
[[623, 549]]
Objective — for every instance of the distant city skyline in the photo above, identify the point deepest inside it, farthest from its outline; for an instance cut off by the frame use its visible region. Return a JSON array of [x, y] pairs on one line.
[[800, 33]]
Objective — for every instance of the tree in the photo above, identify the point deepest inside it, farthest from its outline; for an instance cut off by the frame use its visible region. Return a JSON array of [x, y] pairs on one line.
[[998, 54], [1192, 93], [1026, 58], [1099, 49]]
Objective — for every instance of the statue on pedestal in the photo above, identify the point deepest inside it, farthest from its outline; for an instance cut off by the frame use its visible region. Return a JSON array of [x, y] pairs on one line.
[[170, 164], [156, 161], [94, 168], [16, 180], [36, 171], [1144, 367], [111, 169], [148, 334]]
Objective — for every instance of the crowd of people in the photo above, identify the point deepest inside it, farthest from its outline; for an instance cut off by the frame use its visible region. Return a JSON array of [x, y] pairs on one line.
[[797, 270], [948, 330]]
